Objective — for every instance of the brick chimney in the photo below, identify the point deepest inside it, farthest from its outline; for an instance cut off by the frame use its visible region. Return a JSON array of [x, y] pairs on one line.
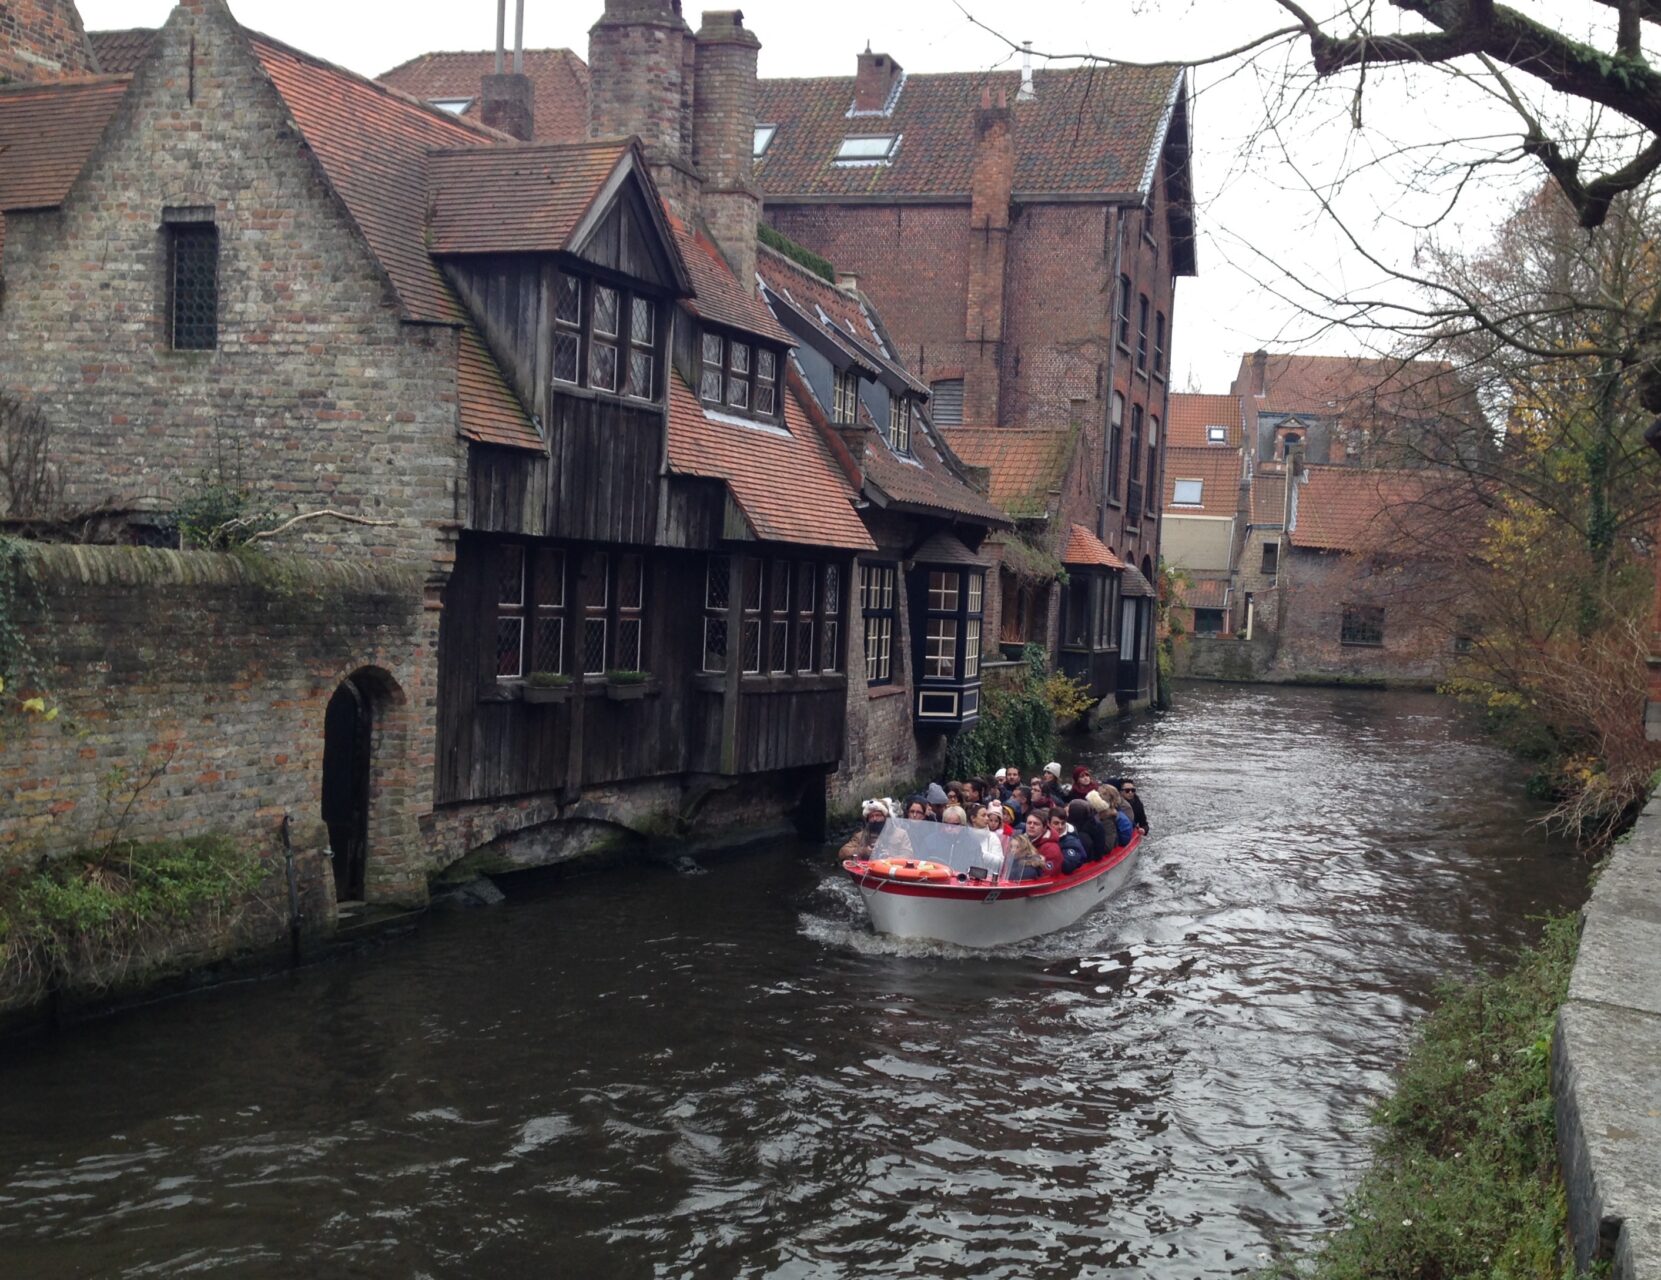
[[990, 190], [640, 73], [723, 136], [1260, 373], [874, 84], [506, 99], [42, 40]]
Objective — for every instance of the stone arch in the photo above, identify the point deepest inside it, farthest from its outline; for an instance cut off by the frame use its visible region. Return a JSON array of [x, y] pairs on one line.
[[367, 763]]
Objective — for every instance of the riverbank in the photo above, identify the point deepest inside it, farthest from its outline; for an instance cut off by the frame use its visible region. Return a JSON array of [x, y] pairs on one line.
[[1604, 1059]]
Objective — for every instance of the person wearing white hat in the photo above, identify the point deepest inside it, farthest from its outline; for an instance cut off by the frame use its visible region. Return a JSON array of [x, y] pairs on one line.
[[874, 815], [1057, 793]]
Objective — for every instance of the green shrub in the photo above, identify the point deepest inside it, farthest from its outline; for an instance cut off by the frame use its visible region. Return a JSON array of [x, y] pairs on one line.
[[1017, 722], [1464, 1180], [781, 243]]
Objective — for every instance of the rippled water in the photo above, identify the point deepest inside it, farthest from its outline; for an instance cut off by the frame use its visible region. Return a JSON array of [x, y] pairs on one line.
[[648, 1074]]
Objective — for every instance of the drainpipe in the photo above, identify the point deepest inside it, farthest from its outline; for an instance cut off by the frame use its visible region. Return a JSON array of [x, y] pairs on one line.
[[1112, 373]]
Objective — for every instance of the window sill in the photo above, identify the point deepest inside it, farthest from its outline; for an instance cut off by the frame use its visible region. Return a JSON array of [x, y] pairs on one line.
[[1361, 644], [793, 683], [1123, 347], [890, 690], [609, 397]]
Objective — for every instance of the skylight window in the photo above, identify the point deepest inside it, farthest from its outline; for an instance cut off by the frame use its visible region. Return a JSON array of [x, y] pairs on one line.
[[873, 150], [1187, 493], [1216, 435], [764, 138], [455, 106]]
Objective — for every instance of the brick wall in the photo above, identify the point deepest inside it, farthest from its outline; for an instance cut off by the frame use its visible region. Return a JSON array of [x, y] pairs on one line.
[[42, 40], [1313, 589], [316, 396], [192, 688]]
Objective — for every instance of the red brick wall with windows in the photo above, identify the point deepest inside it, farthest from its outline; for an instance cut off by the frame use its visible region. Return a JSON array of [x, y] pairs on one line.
[[42, 40]]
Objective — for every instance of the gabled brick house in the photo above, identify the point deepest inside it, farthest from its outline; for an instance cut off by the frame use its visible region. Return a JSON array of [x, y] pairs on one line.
[[524, 381]]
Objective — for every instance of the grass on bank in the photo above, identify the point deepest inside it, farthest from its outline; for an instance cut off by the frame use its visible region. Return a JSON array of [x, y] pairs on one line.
[[93, 917], [1464, 1180]]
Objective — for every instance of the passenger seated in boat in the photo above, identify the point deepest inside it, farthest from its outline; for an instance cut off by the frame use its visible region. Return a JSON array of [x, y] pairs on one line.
[[1051, 783], [1113, 803], [938, 800], [1044, 844], [1074, 853], [1088, 828], [1083, 783], [997, 819], [1138, 814], [1019, 802], [873, 820], [917, 810], [954, 816], [1025, 862]]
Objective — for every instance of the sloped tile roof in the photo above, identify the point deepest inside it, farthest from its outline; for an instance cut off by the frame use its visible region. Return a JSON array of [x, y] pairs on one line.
[[719, 298], [1207, 593], [1090, 130], [1218, 471], [490, 412], [47, 131], [373, 143], [1350, 509], [120, 52], [788, 486], [1330, 386], [1085, 549], [942, 548], [1190, 414], [515, 199], [1027, 464], [1268, 504], [928, 484], [559, 81], [1134, 583]]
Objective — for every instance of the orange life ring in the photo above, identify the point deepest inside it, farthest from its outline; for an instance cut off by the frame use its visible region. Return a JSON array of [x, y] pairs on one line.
[[934, 871], [906, 870], [881, 867]]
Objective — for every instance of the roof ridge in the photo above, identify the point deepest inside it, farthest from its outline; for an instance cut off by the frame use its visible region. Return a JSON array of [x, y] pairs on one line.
[[483, 132]]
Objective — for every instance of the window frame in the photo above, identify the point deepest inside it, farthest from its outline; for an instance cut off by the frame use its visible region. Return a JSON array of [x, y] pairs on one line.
[[866, 154], [1269, 566], [1142, 310], [901, 423], [1215, 434], [556, 599], [745, 373], [1115, 445], [844, 397], [1361, 625], [957, 599], [878, 589], [1126, 291], [760, 143], [622, 342], [1198, 491], [180, 232], [1159, 345]]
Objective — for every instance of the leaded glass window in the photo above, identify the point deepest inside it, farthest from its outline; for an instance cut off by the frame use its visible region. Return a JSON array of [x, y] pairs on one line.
[[568, 321], [193, 286], [510, 612], [595, 597]]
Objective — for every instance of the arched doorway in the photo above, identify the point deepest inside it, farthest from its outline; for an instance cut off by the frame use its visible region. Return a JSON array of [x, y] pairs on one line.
[[348, 748]]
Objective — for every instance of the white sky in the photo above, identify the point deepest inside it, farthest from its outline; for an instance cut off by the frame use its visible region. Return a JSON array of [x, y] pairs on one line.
[[1260, 227]]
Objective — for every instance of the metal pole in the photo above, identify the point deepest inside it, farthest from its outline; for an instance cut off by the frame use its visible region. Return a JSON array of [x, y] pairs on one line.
[[293, 892], [519, 40], [501, 33]]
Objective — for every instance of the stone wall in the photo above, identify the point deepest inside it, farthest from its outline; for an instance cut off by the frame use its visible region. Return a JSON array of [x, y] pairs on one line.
[[1604, 1072], [1315, 586], [42, 40], [317, 395], [192, 688], [1222, 658]]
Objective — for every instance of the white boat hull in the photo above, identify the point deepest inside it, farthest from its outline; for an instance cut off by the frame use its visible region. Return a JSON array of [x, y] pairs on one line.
[[981, 915]]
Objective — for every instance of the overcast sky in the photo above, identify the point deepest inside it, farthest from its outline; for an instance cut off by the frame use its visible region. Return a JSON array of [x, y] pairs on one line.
[[1261, 229]]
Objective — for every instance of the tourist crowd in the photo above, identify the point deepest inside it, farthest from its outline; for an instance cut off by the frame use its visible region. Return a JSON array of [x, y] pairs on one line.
[[1046, 826]]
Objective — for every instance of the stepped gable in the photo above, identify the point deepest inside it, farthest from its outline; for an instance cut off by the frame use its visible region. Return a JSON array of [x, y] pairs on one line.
[[1096, 130], [1027, 464], [559, 83], [1190, 414], [1218, 471], [933, 479], [120, 52], [786, 483], [515, 199]]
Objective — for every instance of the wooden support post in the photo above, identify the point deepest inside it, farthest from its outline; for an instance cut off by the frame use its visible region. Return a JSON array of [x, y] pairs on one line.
[[741, 567]]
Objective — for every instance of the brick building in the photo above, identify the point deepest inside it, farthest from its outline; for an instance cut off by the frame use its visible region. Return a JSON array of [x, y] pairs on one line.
[[594, 534], [43, 40], [1021, 233]]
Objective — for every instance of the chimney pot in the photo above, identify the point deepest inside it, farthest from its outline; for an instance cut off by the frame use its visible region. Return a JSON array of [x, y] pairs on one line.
[[1029, 91]]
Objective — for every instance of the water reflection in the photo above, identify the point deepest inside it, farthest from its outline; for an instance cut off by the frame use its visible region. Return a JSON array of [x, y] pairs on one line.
[[645, 1074]]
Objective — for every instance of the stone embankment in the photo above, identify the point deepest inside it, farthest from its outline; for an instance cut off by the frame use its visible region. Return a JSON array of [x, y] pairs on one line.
[[1606, 1066]]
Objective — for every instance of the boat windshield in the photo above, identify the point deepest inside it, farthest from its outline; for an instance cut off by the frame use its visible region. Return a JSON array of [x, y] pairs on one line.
[[960, 848]]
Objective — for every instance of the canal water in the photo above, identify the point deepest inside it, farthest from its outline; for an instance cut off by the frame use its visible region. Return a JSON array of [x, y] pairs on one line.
[[645, 1073]]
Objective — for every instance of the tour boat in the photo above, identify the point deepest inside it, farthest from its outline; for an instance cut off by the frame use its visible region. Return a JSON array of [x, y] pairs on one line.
[[945, 883]]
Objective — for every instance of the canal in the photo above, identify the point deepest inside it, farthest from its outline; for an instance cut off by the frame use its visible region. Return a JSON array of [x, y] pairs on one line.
[[643, 1073]]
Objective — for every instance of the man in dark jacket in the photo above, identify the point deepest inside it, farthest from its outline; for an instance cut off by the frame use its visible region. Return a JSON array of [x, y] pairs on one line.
[[1127, 789], [1089, 829], [1074, 853]]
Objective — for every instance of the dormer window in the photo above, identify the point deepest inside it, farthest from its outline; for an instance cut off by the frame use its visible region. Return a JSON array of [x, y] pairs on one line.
[[763, 139], [845, 410], [1216, 435], [455, 106], [899, 425], [868, 150], [605, 337], [738, 376]]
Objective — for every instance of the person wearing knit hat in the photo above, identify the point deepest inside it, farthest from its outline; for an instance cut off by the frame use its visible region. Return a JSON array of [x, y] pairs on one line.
[[937, 800], [1053, 787]]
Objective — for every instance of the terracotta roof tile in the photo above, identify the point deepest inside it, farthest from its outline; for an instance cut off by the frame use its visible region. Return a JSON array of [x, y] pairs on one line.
[[943, 548], [490, 412], [515, 199], [1329, 386], [1091, 129], [719, 299], [1268, 504], [1027, 464], [1207, 593], [788, 486], [1349, 509], [372, 143], [119, 52], [559, 81], [1085, 549], [47, 131], [1134, 583], [1191, 414], [926, 482], [1218, 471]]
